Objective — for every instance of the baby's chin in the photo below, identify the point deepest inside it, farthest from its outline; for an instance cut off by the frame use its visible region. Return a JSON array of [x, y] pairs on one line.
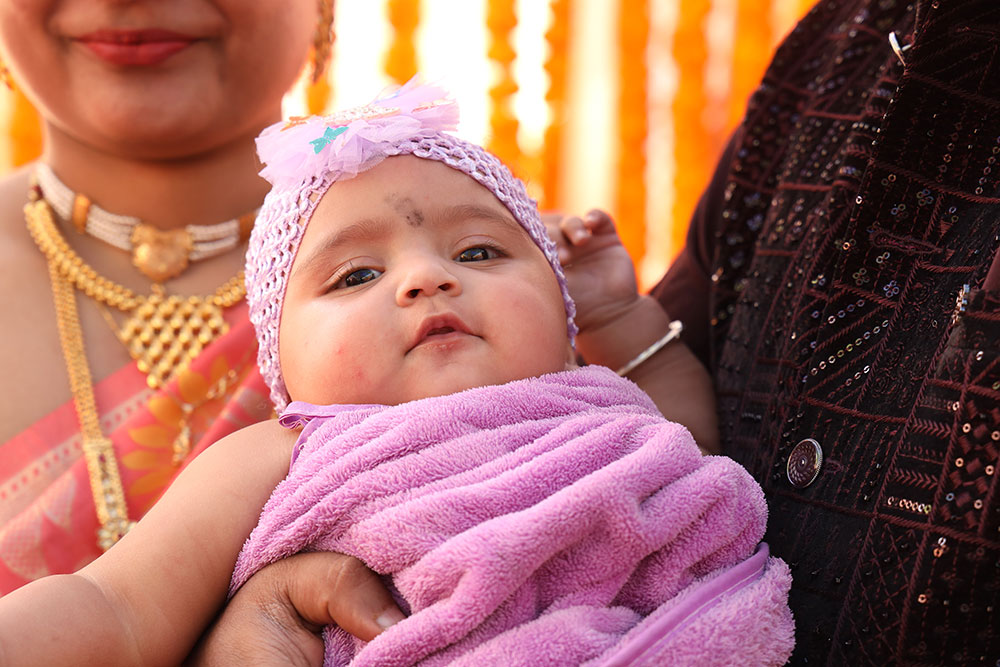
[[465, 383], [448, 378]]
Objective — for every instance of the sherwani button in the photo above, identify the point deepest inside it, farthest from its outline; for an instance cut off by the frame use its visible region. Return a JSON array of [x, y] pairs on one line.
[[804, 463]]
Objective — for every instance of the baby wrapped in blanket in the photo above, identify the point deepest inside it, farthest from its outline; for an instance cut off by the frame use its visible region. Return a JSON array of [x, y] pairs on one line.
[[554, 520], [523, 511], [557, 519]]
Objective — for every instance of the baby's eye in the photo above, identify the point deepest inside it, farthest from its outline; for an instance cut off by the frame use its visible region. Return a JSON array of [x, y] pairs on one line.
[[477, 254], [358, 277]]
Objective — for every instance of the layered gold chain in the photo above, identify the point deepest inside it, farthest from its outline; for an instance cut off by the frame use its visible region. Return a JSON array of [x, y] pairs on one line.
[[164, 330], [163, 333], [98, 451]]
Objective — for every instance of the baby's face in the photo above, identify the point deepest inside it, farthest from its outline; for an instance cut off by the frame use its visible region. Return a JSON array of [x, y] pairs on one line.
[[412, 280]]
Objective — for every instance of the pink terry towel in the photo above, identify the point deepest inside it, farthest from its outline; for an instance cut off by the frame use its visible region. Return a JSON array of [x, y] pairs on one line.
[[557, 520]]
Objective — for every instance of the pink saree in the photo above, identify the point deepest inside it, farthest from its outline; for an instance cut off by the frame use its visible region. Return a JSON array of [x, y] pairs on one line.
[[47, 519]]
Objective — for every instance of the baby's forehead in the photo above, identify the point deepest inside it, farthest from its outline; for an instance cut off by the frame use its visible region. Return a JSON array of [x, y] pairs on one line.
[[398, 219], [424, 176], [418, 191]]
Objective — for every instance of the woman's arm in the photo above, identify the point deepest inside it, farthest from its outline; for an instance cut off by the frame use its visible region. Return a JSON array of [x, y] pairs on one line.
[[147, 600]]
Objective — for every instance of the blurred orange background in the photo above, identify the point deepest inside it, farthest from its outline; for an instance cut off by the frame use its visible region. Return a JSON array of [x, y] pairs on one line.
[[616, 104]]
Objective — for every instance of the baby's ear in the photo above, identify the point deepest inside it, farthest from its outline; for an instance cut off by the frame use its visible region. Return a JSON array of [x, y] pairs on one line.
[[571, 357]]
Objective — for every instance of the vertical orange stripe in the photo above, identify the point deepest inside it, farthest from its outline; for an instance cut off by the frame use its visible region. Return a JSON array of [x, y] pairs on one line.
[[319, 89], [804, 6], [401, 58], [501, 19], [630, 193], [693, 155], [557, 38], [318, 95], [25, 130], [752, 49]]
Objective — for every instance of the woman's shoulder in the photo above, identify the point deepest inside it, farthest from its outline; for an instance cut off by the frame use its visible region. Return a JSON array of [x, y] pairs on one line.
[[13, 196], [14, 193], [16, 246], [32, 379]]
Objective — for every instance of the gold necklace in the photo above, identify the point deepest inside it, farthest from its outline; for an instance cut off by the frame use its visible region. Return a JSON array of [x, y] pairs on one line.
[[98, 450], [159, 254], [162, 333], [68, 272]]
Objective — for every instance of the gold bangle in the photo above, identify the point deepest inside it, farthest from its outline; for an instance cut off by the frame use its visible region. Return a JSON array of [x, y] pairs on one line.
[[675, 331]]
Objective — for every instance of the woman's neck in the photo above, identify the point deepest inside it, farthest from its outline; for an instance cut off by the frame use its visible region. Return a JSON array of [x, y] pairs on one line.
[[200, 189]]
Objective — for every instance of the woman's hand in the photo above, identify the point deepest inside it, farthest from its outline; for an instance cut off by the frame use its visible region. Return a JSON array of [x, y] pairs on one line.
[[277, 616]]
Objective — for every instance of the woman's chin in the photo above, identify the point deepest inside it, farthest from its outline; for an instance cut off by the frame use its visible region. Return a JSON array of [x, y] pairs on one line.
[[135, 131], [160, 119]]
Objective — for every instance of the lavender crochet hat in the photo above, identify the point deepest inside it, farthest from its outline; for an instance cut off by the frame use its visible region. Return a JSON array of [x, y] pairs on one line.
[[306, 155]]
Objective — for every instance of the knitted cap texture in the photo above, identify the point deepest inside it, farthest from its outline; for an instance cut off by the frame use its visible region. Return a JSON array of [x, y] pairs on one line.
[[287, 209]]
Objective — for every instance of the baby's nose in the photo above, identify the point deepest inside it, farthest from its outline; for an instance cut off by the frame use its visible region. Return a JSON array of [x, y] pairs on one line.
[[427, 277]]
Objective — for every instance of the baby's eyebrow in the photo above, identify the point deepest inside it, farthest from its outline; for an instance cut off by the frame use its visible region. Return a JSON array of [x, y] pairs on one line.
[[369, 229], [479, 212], [366, 229]]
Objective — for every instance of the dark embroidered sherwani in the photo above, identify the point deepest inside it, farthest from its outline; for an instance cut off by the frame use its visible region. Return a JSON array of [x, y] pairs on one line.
[[823, 285]]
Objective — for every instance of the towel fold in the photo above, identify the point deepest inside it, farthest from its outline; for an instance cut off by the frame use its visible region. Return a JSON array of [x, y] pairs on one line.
[[546, 521]]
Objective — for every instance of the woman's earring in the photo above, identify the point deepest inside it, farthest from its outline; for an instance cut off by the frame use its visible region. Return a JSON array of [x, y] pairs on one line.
[[322, 41]]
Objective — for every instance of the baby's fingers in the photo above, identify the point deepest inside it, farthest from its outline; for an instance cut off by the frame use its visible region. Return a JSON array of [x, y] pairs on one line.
[[575, 230], [554, 226], [578, 237], [598, 222]]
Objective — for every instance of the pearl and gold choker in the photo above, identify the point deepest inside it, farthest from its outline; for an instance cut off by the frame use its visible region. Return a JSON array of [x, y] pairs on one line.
[[158, 254]]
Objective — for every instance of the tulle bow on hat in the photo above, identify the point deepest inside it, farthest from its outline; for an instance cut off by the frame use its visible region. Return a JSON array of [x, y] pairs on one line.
[[348, 142]]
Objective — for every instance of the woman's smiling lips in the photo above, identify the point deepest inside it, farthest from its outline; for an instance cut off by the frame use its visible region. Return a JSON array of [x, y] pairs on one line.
[[440, 330], [135, 47]]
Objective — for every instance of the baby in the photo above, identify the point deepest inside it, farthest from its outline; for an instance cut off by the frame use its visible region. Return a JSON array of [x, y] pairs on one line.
[[416, 332]]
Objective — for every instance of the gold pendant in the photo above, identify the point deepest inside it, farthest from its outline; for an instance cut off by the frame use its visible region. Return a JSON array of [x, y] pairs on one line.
[[164, 333], [160, 255]]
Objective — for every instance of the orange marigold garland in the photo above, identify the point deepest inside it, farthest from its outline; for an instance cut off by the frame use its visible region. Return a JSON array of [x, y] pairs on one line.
[[630, 192], [401, 59], [318, 96], [693, 154], [501, 19], [805, 6], [319, 90], [557, 38], [752, 49], [24, 129]]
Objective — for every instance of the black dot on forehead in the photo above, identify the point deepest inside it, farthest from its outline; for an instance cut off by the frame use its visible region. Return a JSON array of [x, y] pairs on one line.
[[405, 207], [415, 218]]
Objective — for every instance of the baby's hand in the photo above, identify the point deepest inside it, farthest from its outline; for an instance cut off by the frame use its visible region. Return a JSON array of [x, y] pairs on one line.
[[598, 269]]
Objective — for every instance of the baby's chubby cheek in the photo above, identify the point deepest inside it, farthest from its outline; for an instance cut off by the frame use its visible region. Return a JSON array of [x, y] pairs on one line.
[[330, 374], [526, 305], [347, 363]]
